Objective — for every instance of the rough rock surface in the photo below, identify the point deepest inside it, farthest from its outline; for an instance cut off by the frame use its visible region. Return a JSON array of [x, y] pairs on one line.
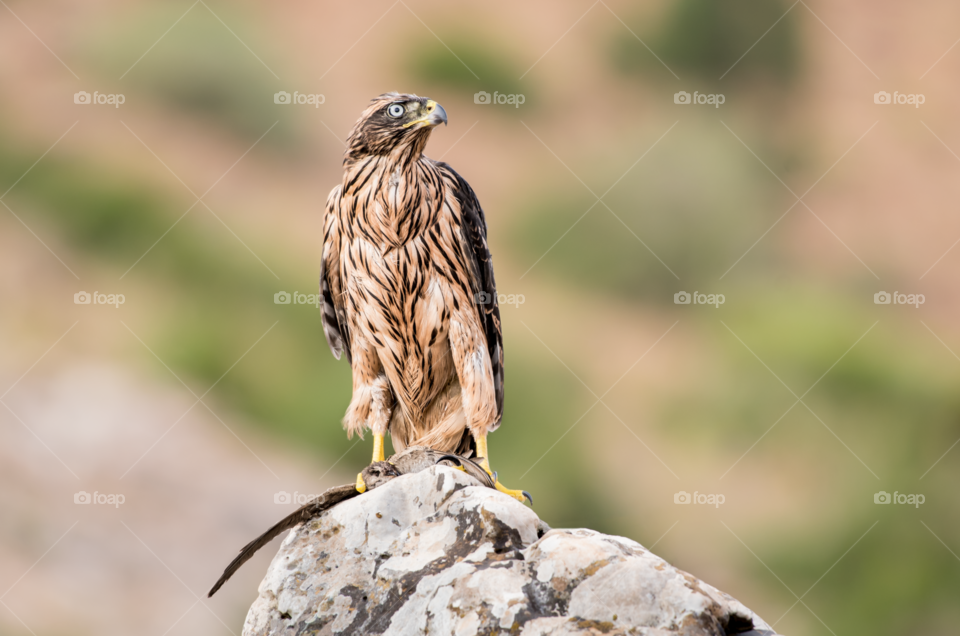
[[435, 553]]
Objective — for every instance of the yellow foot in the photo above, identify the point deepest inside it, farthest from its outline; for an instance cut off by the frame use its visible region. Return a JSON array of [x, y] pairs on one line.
[[483, 457], [377, 457], [519, 495]]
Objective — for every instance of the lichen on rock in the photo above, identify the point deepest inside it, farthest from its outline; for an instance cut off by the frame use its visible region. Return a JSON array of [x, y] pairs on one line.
[[434, 552]]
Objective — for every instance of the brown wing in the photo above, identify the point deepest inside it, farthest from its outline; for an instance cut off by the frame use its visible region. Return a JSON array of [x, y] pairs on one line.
[[331, 293], [476, 253]]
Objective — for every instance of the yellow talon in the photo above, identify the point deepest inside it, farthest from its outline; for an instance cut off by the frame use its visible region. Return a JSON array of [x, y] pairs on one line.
[[377, 457], [483, 455], [519, 495]]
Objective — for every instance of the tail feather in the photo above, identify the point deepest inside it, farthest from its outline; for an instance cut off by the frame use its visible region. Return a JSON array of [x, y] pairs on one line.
[[306, 512]]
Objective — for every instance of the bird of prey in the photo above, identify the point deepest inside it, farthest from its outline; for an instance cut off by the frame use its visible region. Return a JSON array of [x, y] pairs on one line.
[[412, 460], [407, 289]]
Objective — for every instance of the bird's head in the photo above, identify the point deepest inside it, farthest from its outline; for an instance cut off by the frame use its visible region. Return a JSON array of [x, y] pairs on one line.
[[394, 123]]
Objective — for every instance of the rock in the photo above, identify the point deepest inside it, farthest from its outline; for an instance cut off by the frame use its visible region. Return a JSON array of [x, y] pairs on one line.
[[436, 553]]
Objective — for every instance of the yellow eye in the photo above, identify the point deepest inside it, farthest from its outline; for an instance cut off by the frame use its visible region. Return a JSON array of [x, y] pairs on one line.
[[396, 110]]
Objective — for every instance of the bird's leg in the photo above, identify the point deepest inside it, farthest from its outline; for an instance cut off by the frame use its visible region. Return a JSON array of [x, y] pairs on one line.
[[484, 455], [371, 407], [377, 457], [477, 390]]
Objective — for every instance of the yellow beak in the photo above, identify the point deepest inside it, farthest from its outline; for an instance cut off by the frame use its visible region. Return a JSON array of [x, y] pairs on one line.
[[433, 115]]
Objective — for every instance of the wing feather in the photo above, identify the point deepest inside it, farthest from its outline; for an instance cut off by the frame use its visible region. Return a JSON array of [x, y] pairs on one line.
[[476, 253], [331, 292]]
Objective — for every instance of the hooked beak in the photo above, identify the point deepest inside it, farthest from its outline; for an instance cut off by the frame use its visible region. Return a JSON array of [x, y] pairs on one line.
[[433, 115], [437, 113]]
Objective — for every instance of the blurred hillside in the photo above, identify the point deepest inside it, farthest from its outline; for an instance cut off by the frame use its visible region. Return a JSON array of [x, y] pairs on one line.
[[200, 198]]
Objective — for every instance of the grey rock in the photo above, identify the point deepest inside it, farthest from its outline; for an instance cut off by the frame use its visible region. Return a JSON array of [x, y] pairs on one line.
[[435, 552]]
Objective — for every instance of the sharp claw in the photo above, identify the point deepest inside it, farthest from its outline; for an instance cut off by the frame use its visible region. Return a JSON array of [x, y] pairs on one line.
[[453, 458], [528, 496], [495, 477]]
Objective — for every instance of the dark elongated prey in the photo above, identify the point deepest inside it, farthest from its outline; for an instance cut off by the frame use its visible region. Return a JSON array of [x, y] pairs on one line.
[[411, 460]]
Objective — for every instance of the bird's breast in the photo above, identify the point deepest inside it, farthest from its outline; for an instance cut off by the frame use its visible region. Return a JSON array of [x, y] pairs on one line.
[[400, 302]]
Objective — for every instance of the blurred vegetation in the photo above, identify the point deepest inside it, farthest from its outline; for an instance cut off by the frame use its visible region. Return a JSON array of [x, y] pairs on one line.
[[801, 333], [199, 68], [218, 298], [888, 401], [480, 67], [697, 203], [215, 300], [706, 38]]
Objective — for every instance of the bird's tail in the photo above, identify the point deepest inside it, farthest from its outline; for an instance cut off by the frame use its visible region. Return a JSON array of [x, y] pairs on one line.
[[304, 513]]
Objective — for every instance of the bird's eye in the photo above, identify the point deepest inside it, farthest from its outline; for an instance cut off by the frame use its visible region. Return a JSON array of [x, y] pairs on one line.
[[396, 110]]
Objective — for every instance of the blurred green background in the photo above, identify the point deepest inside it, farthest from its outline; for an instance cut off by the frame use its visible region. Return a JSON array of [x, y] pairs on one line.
[[705, 411]]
